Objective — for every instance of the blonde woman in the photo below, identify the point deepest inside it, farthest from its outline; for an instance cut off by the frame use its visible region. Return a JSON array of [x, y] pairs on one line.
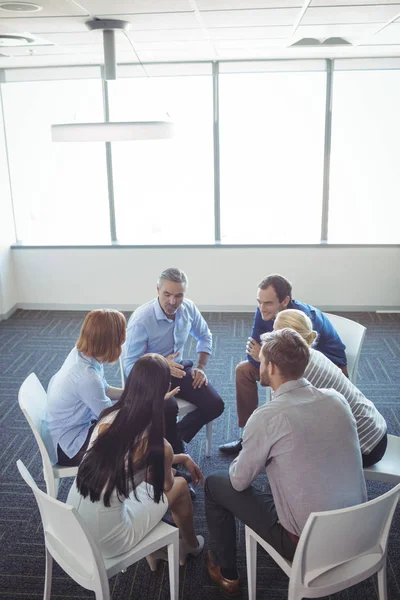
[[322, 373], [78, 392]]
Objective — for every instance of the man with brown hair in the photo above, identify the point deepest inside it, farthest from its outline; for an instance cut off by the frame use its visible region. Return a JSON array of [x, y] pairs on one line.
[[274, 294], [307, 441]]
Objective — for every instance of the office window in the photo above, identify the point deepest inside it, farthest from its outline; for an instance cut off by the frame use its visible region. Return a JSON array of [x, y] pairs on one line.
[[364, 181], [164, 189], [271, 153], [59, 189]]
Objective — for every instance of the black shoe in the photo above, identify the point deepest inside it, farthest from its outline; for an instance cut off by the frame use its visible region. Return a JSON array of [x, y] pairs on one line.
[[231, 447], [192, 491]]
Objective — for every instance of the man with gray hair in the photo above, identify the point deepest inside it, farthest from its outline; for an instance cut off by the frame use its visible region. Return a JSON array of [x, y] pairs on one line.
[[163, 326]]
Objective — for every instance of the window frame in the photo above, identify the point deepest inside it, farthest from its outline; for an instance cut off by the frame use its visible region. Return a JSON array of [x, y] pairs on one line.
[[201, 68]]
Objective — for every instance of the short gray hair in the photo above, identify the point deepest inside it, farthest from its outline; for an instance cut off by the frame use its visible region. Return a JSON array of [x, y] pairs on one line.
[[173, 274]]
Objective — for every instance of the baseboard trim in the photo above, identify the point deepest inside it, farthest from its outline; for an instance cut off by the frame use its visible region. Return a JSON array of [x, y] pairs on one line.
[[7, 315], [242, 308]]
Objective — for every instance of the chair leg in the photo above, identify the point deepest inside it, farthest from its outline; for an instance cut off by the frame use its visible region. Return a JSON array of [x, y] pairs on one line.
[[173, 568], [208, 438], [293, 594], [251, 560], [48, 576], [382, 587]]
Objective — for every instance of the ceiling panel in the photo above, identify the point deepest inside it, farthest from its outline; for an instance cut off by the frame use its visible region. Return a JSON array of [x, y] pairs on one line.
[[56, 60], [171, 30], [249, 18], [245, 33], [79, 37], [351, 2], [350, 14], [246, 4], [196, 47], [135, 6], [160, 35], [63, 50], [51, 8], [49, 25], [250, 44], [174, 55], [185, 20], [388, 35], [91, 38]]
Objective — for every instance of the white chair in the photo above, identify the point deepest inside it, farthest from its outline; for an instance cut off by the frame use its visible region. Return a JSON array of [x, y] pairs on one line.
[[70, 544], [352, 335], [32, 400], [184, 408], [388, 468], [337, 549]]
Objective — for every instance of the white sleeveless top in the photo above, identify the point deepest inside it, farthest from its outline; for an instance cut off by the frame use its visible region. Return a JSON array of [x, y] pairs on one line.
[[119, 527]]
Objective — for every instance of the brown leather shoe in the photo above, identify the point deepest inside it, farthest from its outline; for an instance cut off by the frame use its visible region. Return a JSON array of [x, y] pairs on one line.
[[229, 587]]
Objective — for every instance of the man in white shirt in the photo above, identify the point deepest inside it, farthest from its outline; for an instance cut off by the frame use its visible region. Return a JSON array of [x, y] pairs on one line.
[[306, 439]]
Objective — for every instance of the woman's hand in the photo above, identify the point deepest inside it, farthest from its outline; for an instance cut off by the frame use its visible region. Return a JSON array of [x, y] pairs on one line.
[[194, 470], [172, 393]]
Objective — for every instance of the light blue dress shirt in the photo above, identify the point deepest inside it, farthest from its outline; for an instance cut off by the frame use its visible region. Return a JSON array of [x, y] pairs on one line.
[[75, 397], [150, 330]]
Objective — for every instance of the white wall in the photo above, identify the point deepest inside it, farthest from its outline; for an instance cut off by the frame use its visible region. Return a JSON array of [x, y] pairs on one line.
[[364, 278], [8, 290]]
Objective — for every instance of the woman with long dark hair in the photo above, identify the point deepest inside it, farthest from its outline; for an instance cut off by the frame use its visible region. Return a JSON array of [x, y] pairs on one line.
[[125, 483]]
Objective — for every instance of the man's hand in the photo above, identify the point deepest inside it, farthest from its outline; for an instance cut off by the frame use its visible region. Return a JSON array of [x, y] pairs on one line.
[[344, 370], [172, 393], [253, 349], [199, 378], [177, 370], [194, 470]]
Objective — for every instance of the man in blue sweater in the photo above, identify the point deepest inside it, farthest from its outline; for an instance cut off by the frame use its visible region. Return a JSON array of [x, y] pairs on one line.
[[273, 295]]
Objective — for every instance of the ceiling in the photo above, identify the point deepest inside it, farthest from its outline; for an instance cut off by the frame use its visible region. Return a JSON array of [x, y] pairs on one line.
[[195, 30]]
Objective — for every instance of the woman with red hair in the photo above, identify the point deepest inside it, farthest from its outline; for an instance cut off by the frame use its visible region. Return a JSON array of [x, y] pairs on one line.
[[79, 392]]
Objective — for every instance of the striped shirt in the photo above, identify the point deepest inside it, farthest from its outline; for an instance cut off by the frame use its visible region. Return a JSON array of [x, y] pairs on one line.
[[371, 426]]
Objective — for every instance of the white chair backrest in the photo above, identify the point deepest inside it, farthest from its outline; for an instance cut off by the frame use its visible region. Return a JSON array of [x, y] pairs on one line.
[[332, 539], [352, 335], [32, 400], [121, 368], [67, 538]]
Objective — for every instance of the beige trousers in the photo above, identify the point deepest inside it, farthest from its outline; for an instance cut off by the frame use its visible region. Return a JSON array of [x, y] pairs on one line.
[[247, 376]]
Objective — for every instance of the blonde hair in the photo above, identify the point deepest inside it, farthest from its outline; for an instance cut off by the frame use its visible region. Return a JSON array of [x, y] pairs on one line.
[[102, 334], [297, 320]]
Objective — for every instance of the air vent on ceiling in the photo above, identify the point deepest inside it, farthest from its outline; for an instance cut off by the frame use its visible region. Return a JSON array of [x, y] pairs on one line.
[[15, 40], [8, 40], [331, 41], [20, 6]]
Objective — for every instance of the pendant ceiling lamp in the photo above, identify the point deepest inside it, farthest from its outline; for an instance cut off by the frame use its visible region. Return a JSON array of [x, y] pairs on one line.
[[111, 131]]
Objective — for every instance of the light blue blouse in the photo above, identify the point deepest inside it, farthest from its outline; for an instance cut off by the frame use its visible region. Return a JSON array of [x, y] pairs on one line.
[[75, 397]]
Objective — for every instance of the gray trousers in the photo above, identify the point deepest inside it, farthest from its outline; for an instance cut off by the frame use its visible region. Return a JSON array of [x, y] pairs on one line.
[[252, 506]]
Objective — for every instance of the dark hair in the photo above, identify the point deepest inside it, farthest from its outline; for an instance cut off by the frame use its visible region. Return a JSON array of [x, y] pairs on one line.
[[287, 350], [138, 424], [282, 286]]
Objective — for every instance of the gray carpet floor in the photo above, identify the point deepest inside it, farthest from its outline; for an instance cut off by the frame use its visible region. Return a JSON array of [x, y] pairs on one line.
[[38, 341]]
